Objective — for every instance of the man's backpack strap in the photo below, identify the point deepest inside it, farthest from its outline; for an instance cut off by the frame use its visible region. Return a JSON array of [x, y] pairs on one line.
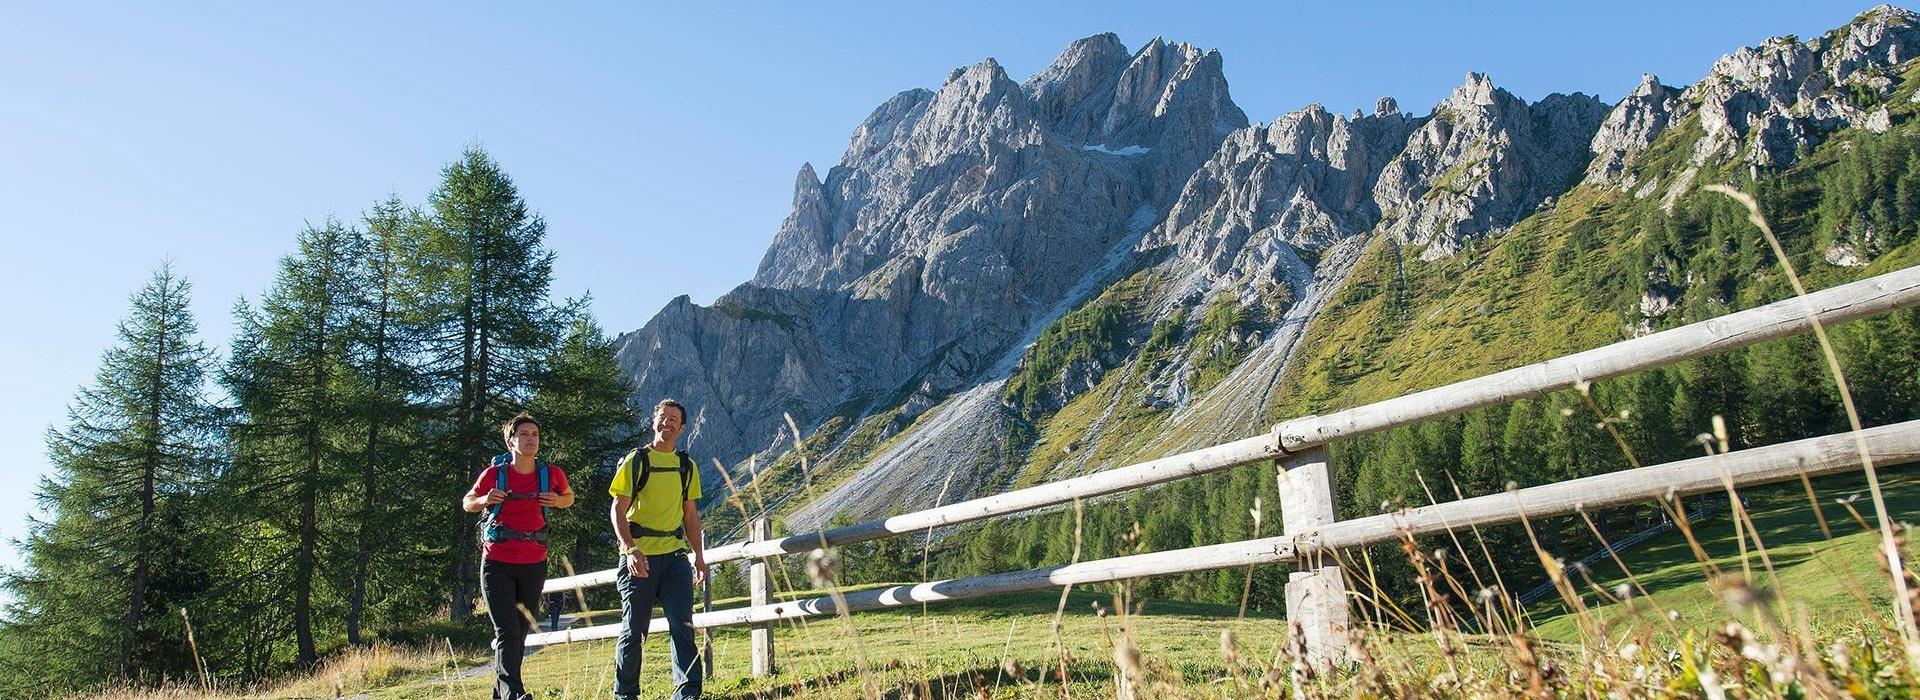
[[638, 471], [686, 483], [686, 473]]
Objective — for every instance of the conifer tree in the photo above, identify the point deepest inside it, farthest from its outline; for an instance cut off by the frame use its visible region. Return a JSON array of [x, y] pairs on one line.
[[482, 272], [582, 401], [289, 373], [384, 398], [123, 547]]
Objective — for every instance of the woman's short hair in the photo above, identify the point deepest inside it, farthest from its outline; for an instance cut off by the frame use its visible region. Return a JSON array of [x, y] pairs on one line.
[[513, 424]]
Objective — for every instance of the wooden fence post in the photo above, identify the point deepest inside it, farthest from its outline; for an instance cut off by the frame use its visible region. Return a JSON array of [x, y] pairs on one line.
[[1316, 593], [760, 587], [706, 633]]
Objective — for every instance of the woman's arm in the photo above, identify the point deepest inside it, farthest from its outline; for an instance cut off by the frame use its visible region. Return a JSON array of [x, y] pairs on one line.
[[560, 499], [475, 502]]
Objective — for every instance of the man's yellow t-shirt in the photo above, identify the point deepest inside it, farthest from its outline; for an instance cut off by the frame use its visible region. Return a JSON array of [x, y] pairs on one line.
[[658, 507]]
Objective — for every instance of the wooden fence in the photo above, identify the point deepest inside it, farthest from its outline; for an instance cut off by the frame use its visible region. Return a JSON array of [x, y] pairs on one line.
[[1315, 591]]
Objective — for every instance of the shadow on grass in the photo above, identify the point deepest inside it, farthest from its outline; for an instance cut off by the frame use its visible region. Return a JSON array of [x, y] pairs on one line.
[[901, 681], [1782, 515]]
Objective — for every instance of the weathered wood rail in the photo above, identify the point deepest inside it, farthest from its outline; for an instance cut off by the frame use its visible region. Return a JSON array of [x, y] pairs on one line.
[[1316, 598]]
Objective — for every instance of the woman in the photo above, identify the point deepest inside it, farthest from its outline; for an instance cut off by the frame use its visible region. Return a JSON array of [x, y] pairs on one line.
[[516, 492]]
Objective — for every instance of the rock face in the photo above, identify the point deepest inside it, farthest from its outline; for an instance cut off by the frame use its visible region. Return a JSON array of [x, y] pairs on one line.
[[1779, 96], [1274, 194], [955, 217], [1483, 161], [737, 364], [1631, 126]]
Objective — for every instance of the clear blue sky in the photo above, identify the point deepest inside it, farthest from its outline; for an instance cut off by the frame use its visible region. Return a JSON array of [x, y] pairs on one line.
[[660, 143]]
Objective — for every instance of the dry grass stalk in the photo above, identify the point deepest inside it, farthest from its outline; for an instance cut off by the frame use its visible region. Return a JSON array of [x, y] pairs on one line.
[[1902, 593]]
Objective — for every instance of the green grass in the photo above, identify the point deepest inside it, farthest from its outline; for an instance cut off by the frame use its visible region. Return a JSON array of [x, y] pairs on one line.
[[1066, 434], [946, 648], [1836, 583]]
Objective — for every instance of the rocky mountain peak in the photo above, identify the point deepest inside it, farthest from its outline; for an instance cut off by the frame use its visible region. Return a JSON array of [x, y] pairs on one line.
[[892, 118], [1881, 36], [1075, 91], [1781, 96], [1175, 96], [956, 219], [1273, 194], [979, 88], [806, 234], [1476, 92], [1485, 160], [1631, 126]]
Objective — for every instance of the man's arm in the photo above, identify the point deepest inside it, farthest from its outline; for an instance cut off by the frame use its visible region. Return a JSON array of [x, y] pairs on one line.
[[618, 514], [636, 562], [690, 517]]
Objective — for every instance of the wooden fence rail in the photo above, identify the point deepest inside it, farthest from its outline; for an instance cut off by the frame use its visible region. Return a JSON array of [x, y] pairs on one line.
[[1315, 592]]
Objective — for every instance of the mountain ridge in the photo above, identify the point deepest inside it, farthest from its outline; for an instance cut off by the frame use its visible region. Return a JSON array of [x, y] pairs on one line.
[[916, 293]]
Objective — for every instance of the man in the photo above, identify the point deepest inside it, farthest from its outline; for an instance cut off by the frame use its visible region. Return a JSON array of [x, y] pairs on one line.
[[654, 517]]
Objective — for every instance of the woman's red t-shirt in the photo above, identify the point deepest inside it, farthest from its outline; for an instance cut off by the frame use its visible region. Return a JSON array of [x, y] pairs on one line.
[[519, 514]]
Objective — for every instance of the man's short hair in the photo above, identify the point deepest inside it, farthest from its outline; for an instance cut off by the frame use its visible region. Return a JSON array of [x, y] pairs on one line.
[[665, 403], [513, 424]]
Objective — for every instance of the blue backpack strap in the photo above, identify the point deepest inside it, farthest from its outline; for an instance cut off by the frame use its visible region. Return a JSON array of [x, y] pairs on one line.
[[500, 463], [544, 487]]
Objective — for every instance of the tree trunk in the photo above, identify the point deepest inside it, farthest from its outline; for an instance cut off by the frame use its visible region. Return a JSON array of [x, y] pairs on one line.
[[303, 574], [369, 466], [137, 599], [460, 571]]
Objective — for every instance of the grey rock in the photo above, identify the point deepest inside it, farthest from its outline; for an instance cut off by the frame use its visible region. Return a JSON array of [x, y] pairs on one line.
[[1272, 193], [1840, 254], [1631, 126], [1879, 121], [1483, 161], [1780, 95]]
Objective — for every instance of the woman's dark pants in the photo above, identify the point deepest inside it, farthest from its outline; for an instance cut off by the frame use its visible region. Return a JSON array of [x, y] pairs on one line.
[[507, 588]]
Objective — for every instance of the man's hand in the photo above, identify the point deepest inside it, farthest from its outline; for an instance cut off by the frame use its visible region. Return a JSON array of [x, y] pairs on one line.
[[495, 496], [550, 499], [699, 570], [637, 565]]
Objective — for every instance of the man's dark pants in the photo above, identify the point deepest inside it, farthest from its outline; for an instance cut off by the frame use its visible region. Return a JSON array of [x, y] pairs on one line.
[[670, 582], [506, 588]]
